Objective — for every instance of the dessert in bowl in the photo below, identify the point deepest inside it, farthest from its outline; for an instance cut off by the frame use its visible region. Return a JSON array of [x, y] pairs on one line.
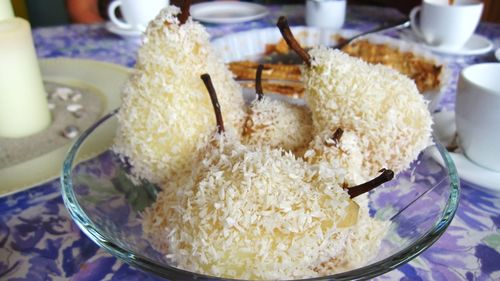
[[419, 204], [269, 190]]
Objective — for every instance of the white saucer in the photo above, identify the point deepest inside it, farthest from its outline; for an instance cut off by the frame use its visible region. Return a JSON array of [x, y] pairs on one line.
[[497, 54], [444, 130], [476, 45], [227, 12], [113, 28]]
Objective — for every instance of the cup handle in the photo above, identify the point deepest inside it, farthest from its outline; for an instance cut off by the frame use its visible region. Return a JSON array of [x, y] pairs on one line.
[[414, 23], [112, 15]]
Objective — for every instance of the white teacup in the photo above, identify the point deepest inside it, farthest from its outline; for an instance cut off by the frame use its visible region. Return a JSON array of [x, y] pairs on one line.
[[444, 25], [478, 114], [136, 13], [329, 14]]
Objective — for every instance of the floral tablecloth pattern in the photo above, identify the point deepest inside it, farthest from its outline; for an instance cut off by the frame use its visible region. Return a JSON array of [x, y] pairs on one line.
[[39, 241]]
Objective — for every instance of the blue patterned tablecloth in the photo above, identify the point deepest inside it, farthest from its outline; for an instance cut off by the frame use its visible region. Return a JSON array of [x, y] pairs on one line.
[[39, 241]]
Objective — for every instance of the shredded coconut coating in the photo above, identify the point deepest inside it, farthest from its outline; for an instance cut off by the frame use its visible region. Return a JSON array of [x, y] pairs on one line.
[[166, 110], [260, 214], [382, 107], [362, 243], [277, 124], [342, 155]]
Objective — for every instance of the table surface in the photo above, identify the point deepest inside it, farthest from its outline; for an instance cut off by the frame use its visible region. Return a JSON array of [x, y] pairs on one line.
[[39, 241]]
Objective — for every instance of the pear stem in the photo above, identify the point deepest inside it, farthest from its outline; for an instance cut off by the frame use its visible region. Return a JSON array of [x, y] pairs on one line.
[[184, 15], [291, 41], [215, 102], [258, 82], [357, 190], [337, 135]]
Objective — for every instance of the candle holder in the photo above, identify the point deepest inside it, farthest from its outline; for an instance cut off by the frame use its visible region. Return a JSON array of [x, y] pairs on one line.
[[73, 109], [79, 93], [34, 125]]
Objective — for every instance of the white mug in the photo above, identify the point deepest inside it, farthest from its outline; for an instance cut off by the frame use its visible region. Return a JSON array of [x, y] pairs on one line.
[[478, 114], [328, 14], [136, 13], [444, 25]]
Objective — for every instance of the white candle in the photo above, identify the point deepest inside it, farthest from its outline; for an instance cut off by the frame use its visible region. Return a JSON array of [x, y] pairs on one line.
[[6, 11], [23, 101]]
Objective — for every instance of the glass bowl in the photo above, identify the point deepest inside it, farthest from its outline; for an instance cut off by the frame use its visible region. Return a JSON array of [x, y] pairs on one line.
[[106, 205]]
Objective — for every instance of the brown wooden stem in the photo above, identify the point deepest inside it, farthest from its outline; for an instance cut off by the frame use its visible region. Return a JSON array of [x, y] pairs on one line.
[[258, 82], [291, 41], [184, 15], [337, 135], [215, 102], [357, 190]]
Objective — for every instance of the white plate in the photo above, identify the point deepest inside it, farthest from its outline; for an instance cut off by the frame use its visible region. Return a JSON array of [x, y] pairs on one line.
[[251, 45], [445, 130], [497, 54], [105, 79], [124, 32], [227, 12], [476, 45]]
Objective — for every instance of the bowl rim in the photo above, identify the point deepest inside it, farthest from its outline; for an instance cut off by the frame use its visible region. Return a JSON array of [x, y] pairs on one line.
[[144, 263]]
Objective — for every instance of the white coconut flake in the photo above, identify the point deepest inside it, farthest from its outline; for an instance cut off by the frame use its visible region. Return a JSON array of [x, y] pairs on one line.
[[278, 124], [166, 110], [378, 104], [286, 224]]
